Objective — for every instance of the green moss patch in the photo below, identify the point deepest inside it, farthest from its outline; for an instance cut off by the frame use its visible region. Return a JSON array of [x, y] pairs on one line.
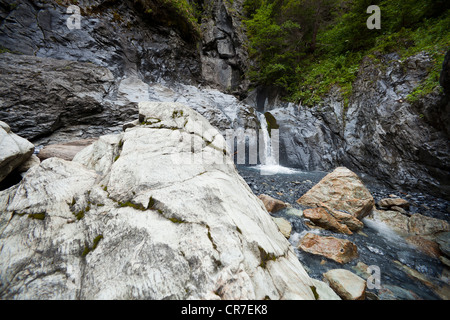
[[95, 243]]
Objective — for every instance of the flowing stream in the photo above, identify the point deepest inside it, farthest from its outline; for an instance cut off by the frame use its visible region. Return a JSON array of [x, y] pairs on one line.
[[377, 244]]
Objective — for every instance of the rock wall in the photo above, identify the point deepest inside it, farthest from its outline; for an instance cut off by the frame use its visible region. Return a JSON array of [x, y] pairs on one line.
[[59, 84], [378, 132], [224, 57], [112, 34]]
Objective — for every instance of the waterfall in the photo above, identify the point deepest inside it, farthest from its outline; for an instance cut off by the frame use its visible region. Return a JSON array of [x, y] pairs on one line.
[[269, 150], [266, 153]]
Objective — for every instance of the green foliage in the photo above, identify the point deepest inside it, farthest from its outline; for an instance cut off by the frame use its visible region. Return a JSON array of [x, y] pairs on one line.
[[305, 47], [181, 14]]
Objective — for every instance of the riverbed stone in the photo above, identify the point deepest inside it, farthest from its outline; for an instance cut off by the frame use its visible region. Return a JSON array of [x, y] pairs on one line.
[[272, 205], [443, 239], [284, 226], [427, 226], [346, 284], [343, 190], [320, 217], [429, 247], [394, 202], [324, 291], [339, 250]]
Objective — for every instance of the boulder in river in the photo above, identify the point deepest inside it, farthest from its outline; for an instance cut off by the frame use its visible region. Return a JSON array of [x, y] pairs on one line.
[[320, 217], [284, 226], [339, 250], [341, 190], [346, 284], [272, 205], [393, 202], [417, 224]]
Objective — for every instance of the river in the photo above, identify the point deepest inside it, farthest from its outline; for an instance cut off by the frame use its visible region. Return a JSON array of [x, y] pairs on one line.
[[377, 244]]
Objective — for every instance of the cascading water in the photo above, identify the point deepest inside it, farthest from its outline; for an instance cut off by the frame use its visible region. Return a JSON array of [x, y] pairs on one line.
[[269, 150], [268, 156]]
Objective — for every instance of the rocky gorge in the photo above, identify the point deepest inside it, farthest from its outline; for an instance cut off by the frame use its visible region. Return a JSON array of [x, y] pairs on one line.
[[101, 211]]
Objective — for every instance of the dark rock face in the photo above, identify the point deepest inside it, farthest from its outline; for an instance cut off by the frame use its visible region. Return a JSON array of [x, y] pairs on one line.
[[42, 95], [387, 137], [112, 34], [224, 58], [378, 133], [82, 83], [445, 74]]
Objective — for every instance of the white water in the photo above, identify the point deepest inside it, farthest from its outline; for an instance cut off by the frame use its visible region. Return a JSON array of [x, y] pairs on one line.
[[270, 155]]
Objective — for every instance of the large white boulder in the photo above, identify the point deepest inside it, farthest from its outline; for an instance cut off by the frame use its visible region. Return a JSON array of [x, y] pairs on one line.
[[14, 150], [132, 218]]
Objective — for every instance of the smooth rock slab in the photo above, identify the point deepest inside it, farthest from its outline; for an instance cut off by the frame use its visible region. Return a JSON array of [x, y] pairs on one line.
[[66, 151]]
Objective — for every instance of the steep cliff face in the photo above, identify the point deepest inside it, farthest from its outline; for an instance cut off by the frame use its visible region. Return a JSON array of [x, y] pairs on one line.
[[120, 57], [378, 132], [112, 34], [60, 83], [223, 55], [125, 38]]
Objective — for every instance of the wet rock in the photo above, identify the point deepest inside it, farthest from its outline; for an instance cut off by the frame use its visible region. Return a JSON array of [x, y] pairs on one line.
[[362, 270], [429, 247], [445, 261], [284, 226], [441, 289], [417, 224], [401, 210], [272, 205], [320, 217], [339, 250], [294, 212], [341, 190], [393, 219], [443, 239], [346, 284], [392, 292], [14, 150], [324, 291], [66, 151], [344, 218], [427, 226], [394, 202]]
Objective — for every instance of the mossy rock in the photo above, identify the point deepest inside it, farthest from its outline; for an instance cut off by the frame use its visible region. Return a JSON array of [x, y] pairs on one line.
[[271, 122]]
